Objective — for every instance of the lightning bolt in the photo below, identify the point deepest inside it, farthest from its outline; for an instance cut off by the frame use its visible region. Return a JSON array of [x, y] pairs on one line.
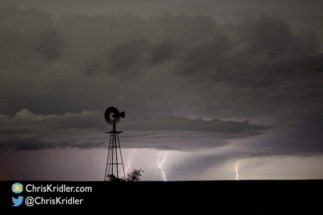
[[130, 159], [156, 164], [154, 175], [237, 175], [159, 165], [150, 170]]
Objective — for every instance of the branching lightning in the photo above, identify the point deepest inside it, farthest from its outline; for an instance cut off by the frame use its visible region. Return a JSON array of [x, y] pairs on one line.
[[129, 160], [159, 165], [150, 170], [237, 175]]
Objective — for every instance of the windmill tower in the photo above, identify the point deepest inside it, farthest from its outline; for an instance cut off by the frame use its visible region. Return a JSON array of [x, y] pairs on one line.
[[114, 166]]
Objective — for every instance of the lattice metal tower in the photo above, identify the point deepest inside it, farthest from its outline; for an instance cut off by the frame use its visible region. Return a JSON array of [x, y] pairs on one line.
[[114, 166]]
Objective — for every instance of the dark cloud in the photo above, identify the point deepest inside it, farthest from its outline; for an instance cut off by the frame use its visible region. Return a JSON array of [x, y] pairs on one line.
[[262, 65], [183, 30], [150, 64], [305, 42], [162, 52], [128, 57], [180, 66], [245, 52], [87, 130], [19, 29], [183, 124], [266, 35], [48, 44]]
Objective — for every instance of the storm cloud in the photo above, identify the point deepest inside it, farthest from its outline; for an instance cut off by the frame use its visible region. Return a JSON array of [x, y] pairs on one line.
[[183, 73], [181, 65], [28, 131]]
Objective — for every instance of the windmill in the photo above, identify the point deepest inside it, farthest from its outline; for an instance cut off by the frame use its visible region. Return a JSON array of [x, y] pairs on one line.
[[112, 117]]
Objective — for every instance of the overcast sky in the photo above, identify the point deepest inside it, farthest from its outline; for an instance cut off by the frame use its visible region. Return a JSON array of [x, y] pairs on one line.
[[204, 84]]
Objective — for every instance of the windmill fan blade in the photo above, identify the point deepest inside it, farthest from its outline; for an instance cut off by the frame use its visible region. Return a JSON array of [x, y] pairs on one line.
[[109, 121], [117, 120], [109, 115], [112, 115]]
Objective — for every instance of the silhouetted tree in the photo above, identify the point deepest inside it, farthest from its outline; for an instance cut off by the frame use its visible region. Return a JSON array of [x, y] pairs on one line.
[[135, 175]]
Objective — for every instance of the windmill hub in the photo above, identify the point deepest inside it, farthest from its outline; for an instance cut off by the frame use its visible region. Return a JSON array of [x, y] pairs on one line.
[[112, 115]]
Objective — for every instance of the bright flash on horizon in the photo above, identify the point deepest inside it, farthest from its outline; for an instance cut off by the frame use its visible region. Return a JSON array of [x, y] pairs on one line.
[[129, 160], [160, 164], [237, 175]]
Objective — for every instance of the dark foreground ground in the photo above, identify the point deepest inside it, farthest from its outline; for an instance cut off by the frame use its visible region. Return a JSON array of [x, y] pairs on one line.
[[198, 197]]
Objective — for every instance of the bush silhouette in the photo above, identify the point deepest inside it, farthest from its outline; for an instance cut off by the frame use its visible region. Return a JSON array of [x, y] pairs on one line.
[[135, 175], [132, 176]]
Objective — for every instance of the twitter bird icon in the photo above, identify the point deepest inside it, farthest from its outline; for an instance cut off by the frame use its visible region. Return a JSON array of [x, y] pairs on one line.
[[17, 201]]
